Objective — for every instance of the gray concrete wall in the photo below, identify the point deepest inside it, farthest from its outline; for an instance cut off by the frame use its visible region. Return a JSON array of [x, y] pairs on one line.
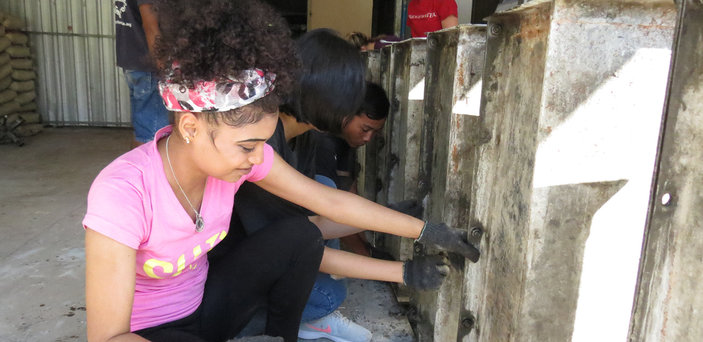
[[572, 96], [557, 167], [669, 301]]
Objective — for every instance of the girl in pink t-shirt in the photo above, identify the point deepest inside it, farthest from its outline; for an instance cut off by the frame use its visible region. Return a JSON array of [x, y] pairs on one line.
[[155, 212]]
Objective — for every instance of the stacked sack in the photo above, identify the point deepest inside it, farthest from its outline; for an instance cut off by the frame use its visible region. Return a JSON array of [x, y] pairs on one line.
[[17, 76]]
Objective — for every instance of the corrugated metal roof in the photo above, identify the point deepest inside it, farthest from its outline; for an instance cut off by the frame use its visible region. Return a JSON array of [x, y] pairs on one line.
[[73, 47]]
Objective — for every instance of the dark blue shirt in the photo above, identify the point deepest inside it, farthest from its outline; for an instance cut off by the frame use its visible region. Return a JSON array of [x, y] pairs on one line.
[[130, 41]]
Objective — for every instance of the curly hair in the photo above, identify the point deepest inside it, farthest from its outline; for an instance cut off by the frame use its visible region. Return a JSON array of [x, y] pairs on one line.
[[211, 39]]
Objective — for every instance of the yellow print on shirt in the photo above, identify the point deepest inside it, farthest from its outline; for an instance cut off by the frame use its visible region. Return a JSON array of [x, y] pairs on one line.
[[168, 268]]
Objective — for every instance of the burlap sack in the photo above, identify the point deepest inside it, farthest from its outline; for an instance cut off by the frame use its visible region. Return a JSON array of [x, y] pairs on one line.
[[22, 86], [4, 43], [29, 129], [5, 70], [28, 117], [17, 38], [4, 58], [20, 63], [23, 75], [13, 23], [17, 51], [7, 95], [5, 83], [9, 108], [28, 107], [25, 97]]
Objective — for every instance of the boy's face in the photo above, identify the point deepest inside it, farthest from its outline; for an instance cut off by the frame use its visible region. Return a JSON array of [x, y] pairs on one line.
[[360, 129]]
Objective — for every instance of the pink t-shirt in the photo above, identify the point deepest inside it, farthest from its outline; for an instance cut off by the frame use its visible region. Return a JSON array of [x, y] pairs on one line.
[[427, 15], [132, 203]]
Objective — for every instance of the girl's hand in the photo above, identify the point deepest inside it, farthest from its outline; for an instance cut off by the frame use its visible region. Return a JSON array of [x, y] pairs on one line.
[[449, 239], [425, 272]]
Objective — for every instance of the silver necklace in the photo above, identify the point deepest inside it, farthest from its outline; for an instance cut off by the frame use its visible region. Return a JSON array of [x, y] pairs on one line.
[[199, 223]]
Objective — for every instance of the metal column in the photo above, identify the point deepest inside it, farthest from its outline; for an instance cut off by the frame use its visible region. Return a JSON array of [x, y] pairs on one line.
[[451, 133], [572, 98], [669, 304]]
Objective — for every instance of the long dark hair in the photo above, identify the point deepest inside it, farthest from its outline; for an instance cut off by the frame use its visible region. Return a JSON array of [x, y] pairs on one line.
[[331, 85]]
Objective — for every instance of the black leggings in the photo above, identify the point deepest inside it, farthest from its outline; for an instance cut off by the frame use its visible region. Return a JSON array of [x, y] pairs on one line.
[[275, 267]]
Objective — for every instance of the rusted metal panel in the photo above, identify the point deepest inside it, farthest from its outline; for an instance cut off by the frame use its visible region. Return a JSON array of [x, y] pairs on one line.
[[669, 306], [559, 187], [512, 89], [408, 93], [383, 156], [406, 89], [367, 154], [454, 68], [378, 149]]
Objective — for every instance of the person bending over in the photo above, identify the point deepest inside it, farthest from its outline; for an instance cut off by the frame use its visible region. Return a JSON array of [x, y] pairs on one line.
[[154, 212], [321, 103]]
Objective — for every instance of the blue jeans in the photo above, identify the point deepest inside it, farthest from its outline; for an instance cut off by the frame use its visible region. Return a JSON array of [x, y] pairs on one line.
[[327, 294], [148, 111]]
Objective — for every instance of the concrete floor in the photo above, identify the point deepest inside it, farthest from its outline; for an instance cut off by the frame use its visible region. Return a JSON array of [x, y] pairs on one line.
[[43, 188]]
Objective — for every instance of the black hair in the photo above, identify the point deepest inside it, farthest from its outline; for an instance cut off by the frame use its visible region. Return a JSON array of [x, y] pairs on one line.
[[331, 85], [358, 39], [376, 104], [211, 39]]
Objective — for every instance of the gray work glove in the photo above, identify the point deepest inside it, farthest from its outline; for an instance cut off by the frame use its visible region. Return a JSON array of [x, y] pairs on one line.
[[425, 272], [449, 239], [408, 207], [261, 338]]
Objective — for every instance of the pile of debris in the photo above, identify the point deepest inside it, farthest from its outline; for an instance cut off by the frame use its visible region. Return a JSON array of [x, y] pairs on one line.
[[19, 115]]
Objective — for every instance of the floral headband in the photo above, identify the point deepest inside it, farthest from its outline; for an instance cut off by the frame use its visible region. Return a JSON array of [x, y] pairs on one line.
[[212, 96]]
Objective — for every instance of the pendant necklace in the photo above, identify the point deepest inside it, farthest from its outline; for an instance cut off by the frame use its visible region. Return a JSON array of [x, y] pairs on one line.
[[199, 223]]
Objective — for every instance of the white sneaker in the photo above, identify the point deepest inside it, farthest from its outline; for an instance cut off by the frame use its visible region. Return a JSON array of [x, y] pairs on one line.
[[334, 327]]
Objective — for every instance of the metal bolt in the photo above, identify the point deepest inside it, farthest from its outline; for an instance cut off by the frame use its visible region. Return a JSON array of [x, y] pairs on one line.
[[432, 42], [476, 232], [495, 29], [418, 249], [468, 323]]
